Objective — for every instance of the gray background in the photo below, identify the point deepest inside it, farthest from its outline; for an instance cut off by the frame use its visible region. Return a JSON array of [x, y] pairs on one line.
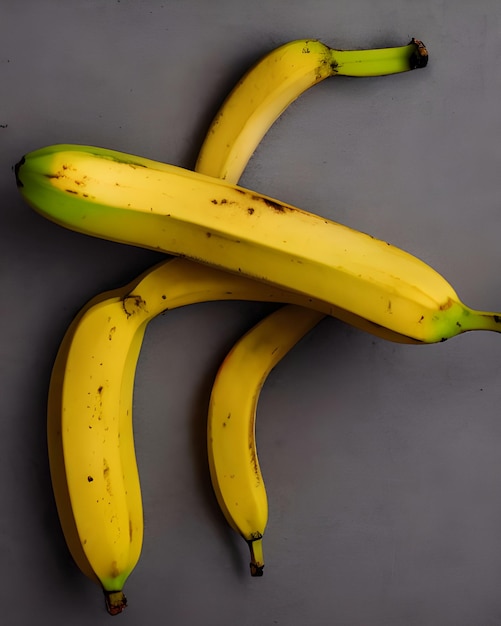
[[382, 462]]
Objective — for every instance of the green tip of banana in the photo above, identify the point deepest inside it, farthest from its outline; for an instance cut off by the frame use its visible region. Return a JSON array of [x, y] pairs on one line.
[[115, 601], [419, 56]]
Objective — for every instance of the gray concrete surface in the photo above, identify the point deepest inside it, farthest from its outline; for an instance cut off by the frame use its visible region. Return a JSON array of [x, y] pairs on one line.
[[382, 462]]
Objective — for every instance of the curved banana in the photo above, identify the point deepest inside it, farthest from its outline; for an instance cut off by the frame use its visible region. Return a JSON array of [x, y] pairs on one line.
[[146, 203], [278, 79], [233, 460]]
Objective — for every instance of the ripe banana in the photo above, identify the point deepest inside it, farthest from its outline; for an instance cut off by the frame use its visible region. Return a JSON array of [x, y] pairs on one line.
[[233, 460], [276, 81], [141, 202], [90, 445]]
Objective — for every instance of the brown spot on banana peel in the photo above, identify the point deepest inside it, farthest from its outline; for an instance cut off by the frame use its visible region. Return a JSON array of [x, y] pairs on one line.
[[273, 204], [222, 201], [256, 535], [133, 304], [253, 454], [447, 305], [106, 476]]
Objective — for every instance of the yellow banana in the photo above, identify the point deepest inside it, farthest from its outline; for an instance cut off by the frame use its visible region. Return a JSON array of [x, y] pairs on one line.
[[91, 452], [278, 79], [146, 203], [233, 460]]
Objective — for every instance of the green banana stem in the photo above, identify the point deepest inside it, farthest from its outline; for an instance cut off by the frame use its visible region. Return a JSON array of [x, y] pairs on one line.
[[479, 320], [379, 62]]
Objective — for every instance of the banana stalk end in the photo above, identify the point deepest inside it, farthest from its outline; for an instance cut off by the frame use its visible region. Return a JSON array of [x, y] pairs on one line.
[[419, 57], [115, 601]]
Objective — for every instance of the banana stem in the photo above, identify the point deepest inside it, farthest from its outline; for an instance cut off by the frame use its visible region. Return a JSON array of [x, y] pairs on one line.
[[480, 320], [257, 557], [115, 601], [379, 62]]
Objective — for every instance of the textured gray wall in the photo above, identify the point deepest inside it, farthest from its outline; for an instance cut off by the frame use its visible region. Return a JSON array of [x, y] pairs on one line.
[[382, 462]]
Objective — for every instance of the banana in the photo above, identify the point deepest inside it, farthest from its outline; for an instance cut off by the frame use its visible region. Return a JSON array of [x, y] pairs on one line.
[[102, 517], [276, 81], [146, 203], [232, 451]]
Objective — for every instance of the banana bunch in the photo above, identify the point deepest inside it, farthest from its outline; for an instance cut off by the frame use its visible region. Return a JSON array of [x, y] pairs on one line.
[[229, 243]]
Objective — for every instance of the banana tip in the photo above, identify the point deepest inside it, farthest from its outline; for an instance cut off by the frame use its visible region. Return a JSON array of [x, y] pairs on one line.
[[256, 569], [17, 167], [256, 554], [419, 56]]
